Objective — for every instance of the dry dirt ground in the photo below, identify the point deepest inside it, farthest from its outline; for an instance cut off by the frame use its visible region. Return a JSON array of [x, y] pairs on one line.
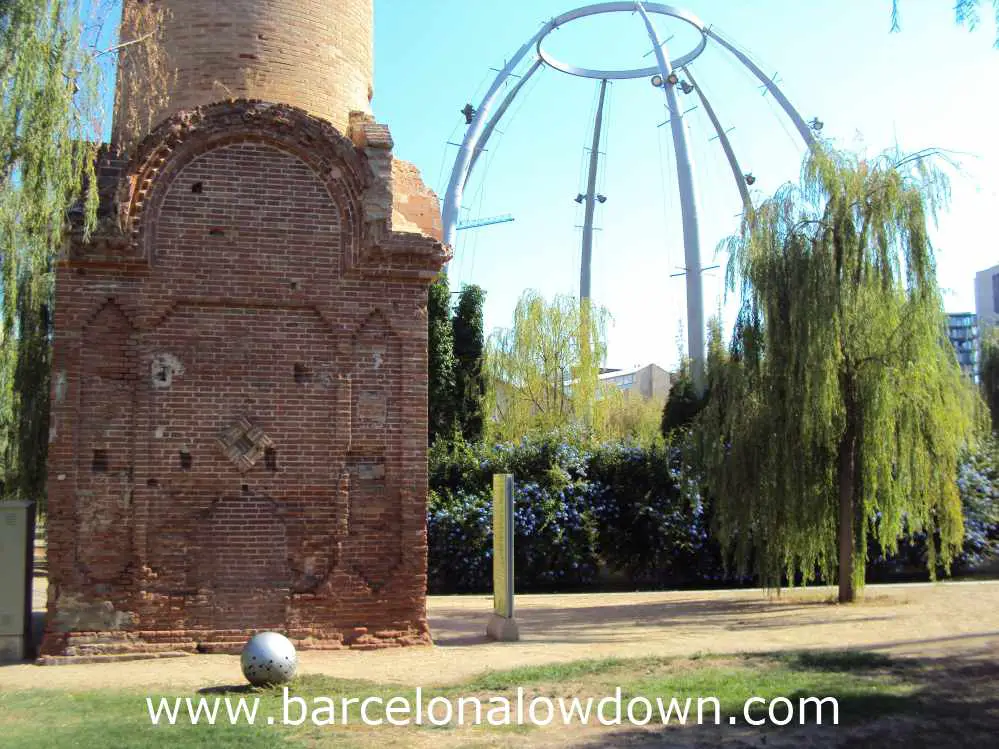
[[924, 620]]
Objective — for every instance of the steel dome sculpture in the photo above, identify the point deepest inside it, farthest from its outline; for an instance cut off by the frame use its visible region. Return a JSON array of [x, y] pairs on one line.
[[482, 122]]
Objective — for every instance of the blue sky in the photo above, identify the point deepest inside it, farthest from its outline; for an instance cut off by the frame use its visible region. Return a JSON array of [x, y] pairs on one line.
[[932, 85]]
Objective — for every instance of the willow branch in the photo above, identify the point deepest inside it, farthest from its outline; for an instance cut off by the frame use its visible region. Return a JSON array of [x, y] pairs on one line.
[[119, 47]]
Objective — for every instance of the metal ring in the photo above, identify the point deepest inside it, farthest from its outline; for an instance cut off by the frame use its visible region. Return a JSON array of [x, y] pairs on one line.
[[622, 7]]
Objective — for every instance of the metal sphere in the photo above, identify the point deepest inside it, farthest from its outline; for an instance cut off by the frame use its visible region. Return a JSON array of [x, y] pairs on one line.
[[269, 658]]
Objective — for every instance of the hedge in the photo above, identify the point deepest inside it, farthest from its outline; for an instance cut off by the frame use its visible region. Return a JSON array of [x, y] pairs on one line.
[[579, 516], [615, 516]]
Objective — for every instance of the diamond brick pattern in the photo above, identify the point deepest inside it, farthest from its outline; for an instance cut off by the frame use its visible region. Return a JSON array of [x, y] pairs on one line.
[[244, 444]]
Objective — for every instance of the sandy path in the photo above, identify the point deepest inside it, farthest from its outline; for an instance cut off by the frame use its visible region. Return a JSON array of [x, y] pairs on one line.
[[915, 619]]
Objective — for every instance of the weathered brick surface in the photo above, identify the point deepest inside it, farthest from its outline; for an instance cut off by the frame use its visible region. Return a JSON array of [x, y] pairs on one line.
[[415, 208], [317, 55], [239, 397]]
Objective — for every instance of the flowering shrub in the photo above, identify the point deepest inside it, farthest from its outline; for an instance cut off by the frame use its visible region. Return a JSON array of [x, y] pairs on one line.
[[575, 511], [619, 509], [460, 542], [553, 536], [646, 527], [978, 483]]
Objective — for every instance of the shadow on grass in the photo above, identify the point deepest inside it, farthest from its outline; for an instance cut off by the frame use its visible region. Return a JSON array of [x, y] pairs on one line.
[[230, 689], [952, 702], [836, 660]]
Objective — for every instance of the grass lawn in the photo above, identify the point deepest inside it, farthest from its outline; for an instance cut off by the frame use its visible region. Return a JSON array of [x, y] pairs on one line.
[[881, 702]]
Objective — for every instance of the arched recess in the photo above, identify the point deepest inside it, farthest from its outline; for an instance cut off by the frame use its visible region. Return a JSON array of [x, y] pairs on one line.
[[248, 219], [105, 445], [240, 565], [373, 547], [179, 140]]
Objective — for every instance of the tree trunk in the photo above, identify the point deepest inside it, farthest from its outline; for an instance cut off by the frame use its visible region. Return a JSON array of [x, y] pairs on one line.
[[845, 479]]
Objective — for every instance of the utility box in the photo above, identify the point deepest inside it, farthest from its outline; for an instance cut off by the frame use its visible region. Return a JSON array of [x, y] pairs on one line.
[[17, 542]]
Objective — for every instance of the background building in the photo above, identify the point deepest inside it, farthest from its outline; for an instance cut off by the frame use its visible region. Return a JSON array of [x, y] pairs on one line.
[[962, 330], [987, 297], [650, 381]]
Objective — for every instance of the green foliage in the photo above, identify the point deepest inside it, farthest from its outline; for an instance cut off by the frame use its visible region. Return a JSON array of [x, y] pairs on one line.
[[48, 91], [455, 362], [839, 396], [53, 80], [682, 405], [553, 538], [469, 351], [966, 13], [542, 373], [646, 526], [978, 484], [27, 465], [543, 376], [576, 508], [627, 417], [990, 375], [440, 360]]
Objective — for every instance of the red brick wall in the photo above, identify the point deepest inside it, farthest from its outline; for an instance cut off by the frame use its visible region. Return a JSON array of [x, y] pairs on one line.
[[239, 397]]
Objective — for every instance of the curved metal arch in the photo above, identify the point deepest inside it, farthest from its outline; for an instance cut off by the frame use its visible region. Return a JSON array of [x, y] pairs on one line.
[[726, 144], [591, 199], [484, 123], [623, 7], [474, 141], [806, 132], [478, 133], [487, 131]]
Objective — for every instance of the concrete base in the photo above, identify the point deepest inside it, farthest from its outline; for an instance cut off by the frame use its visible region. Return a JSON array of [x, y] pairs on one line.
[[12, 649], [502, 629]]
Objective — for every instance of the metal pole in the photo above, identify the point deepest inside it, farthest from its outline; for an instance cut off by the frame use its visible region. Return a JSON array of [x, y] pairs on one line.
[[473, 140], [740, 177], [688, 209], [806, 133], [591, 198], [502, 625]]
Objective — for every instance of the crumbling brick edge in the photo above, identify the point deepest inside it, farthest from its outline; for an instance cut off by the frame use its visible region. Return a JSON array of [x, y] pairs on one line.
[[108, 647]]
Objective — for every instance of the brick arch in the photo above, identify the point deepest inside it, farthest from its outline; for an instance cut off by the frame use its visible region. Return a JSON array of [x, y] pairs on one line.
[[179, 140]]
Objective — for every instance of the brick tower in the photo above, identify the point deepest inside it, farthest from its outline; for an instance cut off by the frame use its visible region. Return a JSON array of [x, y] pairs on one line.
[[239, 398]]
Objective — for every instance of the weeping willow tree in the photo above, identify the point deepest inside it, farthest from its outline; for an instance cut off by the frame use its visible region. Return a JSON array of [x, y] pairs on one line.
[[966, 13], [57, 58], [621, 416], [990, 374], [46, 80], [542, 373], [839, 410]]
